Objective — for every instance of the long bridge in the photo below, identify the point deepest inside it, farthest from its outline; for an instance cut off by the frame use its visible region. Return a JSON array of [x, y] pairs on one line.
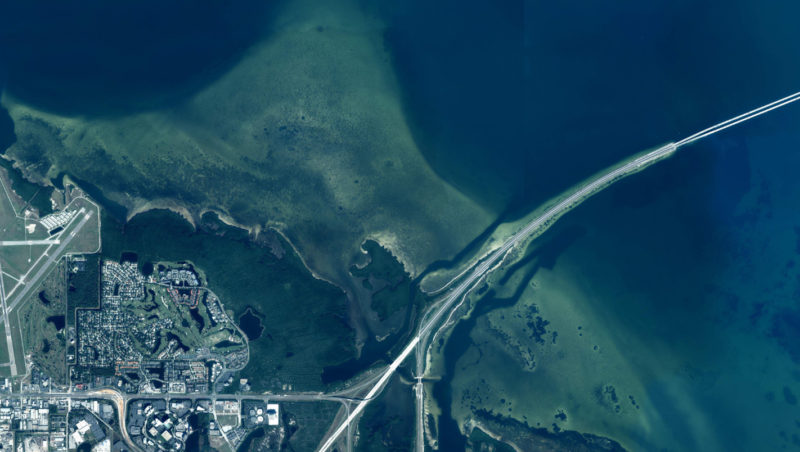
[[537, 226]]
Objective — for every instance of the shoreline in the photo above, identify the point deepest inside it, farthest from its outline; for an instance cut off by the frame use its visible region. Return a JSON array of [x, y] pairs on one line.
[[140, 207], [391, 244], [143, 206], [473, 424], [191, 214], [254, 231], [504, 231]]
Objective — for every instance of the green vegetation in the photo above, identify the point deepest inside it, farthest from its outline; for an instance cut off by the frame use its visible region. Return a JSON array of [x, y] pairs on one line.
[[5, 369], [388, 422], [16, 338], [3, 348], [389, 284], [311, 421], [31, 195], [43, 324], [192, 325], [84, 286], [478, 440], [15, 260], [199, 439], [293, 348], [88, 240], [231, 420], [83, 289], [318, 142], [528, 438]]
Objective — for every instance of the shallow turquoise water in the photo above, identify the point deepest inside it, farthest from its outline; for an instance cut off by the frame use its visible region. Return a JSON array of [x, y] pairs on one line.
[[691, 268], [514, 101], [697, 254]]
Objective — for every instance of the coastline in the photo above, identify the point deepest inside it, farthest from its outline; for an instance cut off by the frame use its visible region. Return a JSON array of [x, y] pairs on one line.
[[391, 243], [160, 204], [192, 214], [473, 424], [142, 205], [440, 280]]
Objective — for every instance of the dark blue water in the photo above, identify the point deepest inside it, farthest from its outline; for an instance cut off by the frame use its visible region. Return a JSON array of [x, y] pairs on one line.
[[696, 257], [513, 101], [101, 58], [250, 323]]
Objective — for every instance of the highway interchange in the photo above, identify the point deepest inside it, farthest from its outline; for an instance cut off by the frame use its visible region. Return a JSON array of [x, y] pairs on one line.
[[437, 318], [534, 228]]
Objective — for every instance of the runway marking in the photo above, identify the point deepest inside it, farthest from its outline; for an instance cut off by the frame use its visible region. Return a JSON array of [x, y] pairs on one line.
[[29, 242]]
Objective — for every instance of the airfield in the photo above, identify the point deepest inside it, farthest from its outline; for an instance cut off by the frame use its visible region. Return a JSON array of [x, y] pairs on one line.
[[31, 246]]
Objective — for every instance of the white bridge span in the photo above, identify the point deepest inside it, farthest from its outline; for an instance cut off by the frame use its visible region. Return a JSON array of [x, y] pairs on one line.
[[538, 225]]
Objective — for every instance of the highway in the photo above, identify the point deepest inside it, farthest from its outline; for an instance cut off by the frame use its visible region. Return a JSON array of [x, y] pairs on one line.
[[121, 400], [534, 228], [436, 319], [443, 307]]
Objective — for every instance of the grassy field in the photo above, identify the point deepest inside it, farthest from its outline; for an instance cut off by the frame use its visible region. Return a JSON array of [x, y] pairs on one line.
[[388, 422], [15, 260], [39, 316], [3, 349], [228, 419], [88, 241], [192, 332], [17, 339], [29, 326], [312, 420], [28, 194], [5, 370]]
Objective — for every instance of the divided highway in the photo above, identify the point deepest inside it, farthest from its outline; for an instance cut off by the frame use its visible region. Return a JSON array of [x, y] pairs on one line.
[[446, 306]]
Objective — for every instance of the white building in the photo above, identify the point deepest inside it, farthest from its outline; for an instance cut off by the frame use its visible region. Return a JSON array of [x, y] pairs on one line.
[[272, 414]]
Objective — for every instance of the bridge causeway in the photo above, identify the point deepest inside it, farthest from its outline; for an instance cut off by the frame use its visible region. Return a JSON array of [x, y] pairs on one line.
[[534, 228]]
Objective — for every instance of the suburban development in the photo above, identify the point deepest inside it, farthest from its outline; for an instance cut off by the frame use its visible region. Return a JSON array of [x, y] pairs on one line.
[[144, 358]]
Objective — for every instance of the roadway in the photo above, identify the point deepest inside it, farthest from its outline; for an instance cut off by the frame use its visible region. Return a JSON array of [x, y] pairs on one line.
[[121, 400], [532, 229], [47, 260], [431, 321], [42, 265]]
